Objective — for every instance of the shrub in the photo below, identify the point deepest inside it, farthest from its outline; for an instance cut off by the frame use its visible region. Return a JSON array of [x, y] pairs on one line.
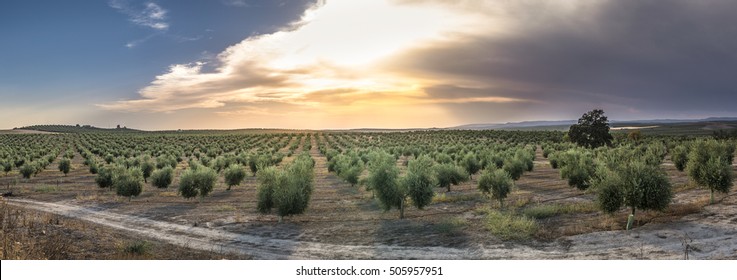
[[496, 182], [162, 178], [7, 167], [449, 174], [65, 165], [93, 167], [234, 175], [197, 182]]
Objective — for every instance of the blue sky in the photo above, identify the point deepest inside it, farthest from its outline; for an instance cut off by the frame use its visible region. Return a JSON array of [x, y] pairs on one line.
[[164, 64]]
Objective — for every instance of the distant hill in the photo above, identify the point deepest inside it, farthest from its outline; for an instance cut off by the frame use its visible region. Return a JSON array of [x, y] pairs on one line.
[[74, 128], [564, 124]]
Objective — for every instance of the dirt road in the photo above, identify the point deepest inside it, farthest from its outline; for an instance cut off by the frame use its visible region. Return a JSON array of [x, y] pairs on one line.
[[713, 233]]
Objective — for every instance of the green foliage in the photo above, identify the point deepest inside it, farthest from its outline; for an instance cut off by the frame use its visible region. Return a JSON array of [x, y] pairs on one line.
[[27, 170], [93, 167], [65, 165], [197, 182], [679, 156], [636, 185], [419, 181], [709, 165], [450, 174], [269, 178], [147, 167], [383, 180], [128, 182], [162, 178], [515, 167], [288, 191], [592, 130], [578, 169], [7, 167], [104, 177], [234, 175], [496, 182], [470, 163]]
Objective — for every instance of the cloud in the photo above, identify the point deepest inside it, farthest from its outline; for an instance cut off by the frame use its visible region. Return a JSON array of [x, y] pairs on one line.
[[501, 58], [237, 3], [150, 15]]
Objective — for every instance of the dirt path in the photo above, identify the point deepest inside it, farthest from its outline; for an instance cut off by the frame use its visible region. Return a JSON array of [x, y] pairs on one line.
[[714, 234]]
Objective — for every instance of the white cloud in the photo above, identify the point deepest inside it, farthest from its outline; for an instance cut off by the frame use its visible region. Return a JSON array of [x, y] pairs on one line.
[[150, 15]]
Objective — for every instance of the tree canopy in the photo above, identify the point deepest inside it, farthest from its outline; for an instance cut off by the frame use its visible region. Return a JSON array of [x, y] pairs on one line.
[[592, 130]]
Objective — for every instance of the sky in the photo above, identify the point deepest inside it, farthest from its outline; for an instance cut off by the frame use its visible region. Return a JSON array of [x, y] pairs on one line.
[[222, 64]]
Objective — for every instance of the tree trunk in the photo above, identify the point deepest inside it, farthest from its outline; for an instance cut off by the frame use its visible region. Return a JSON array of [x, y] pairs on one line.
[[401, 209], [281, 218], [631, 219], [712, 197]]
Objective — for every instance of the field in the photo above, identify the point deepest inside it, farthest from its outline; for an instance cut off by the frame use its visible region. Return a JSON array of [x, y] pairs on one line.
[[542, 217]]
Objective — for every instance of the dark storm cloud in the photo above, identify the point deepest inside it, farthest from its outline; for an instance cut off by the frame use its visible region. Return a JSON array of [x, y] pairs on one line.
[[648, 55]]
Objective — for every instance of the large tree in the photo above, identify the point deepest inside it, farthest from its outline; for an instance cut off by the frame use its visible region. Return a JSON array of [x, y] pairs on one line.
[[592, 130]]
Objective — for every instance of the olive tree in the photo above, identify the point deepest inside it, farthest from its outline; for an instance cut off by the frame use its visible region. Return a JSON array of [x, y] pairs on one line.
[[709, 165], [234, 175], [128, 182], [636, 185], [515, 167], [418, 183], [679, 156], [162, 178], [383, 180], [578, 168], [450, 174], [497, 183], [27, 170], [288, 191], [65, 165], [194, 182], [147, 167], [470, 164], [104, 177]]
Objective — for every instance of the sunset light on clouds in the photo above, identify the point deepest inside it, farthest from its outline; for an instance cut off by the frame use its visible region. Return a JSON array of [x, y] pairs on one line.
[[412, 63]]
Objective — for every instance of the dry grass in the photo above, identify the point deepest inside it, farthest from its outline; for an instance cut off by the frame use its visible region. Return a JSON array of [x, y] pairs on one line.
[[443, 198], [509, 226], [543, 211], [451, 226]]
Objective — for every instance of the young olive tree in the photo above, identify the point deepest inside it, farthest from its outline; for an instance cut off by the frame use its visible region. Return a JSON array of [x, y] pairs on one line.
[[288, 191], [496, 182], [450, 174], [515, 167], [383, 180], [636, 185], [162, 178], [197, 182], [65, 165], [710, 165], [679, 156], [578, 169], [104, 177], [234, 175], [27, 170], [147, 167], [471, 164], [128, 182], [418, 183]]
